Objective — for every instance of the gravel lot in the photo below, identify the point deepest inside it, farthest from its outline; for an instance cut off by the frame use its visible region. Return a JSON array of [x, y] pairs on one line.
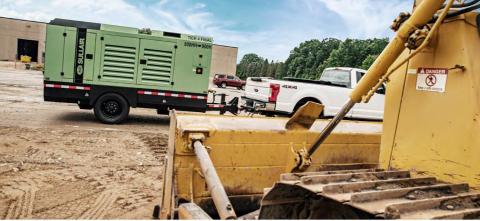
[[58, 162]]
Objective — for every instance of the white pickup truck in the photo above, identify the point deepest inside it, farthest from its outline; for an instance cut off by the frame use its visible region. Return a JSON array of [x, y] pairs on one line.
[[268, 96]]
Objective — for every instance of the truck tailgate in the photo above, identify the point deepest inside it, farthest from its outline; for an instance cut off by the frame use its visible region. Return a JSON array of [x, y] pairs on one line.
[[258, 89]]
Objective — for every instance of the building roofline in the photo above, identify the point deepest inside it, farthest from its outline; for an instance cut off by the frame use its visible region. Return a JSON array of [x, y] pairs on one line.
[[227, 46], [18, 19], [39, 22]]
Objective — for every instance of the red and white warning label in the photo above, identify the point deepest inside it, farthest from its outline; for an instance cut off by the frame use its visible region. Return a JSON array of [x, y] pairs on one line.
[[432, 79]]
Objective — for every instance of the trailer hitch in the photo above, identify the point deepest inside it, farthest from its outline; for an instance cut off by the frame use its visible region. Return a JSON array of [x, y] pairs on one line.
[[223, 106]]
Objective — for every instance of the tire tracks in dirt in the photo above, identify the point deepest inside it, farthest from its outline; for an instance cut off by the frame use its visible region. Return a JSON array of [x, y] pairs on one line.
[[101, 206], [22, 206], [84, 176]]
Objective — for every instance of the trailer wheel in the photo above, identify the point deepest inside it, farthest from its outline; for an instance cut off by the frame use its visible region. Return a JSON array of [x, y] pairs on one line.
[[111, 109]]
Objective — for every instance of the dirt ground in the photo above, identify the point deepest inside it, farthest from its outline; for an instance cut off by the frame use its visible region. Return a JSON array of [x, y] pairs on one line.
[[57, 162]]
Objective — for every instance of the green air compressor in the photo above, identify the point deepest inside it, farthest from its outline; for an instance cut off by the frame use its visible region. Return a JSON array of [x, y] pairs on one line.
[[111, 68]]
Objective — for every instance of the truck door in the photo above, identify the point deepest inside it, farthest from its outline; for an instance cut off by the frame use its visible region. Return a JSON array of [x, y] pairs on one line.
[[156, 63], [119, 61], [374, 108], [338, 92], [231, 81]]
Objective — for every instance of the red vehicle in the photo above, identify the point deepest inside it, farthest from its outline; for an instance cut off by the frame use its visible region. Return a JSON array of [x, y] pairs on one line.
[[226, 80]]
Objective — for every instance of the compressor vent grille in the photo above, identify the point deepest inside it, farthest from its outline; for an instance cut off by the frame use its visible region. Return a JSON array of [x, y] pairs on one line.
[[119, 62], [159, 66]]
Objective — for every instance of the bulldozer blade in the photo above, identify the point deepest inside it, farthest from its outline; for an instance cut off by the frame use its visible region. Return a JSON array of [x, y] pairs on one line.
[[250, 153]]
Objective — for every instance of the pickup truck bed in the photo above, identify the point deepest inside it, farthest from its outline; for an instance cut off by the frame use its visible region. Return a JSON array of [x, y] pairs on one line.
[[269, 96]]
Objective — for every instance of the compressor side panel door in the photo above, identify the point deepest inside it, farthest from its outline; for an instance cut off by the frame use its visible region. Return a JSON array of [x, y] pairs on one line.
[[69, 56], [119, 59], [54, 53], [60, 53], [192, 67], [90, 56], [156, 63]]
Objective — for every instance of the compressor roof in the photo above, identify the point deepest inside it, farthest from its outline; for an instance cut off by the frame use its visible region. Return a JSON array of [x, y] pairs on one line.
[[130, 30]]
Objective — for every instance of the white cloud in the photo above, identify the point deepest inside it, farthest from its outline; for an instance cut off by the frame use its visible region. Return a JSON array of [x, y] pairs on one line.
[[284, 29], [192, 19], [104, 11], [367, 18]]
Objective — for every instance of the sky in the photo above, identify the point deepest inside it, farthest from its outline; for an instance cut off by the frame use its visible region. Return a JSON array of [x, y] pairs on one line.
[[269, 28]]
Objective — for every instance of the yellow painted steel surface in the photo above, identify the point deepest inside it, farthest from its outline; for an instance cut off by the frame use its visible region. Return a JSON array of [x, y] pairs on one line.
[[426, 132], [250, 153], [433, 133]]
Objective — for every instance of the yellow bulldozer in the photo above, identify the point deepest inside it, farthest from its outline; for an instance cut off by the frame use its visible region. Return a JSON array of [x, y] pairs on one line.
[[422, 161]]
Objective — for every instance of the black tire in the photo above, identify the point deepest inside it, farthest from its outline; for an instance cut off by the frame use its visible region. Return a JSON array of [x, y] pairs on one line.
[[224, 85], [111, 109], [241, 88]]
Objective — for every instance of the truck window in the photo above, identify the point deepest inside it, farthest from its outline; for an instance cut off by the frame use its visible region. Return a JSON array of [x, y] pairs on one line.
[[229, 77], [360, 75], [340, 77]]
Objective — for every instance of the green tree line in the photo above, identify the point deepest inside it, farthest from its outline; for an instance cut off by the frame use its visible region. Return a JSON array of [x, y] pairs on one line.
[[310, 58]]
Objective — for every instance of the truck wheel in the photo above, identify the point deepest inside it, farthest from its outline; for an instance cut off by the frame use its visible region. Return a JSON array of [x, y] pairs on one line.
[[241, 87], [224, 85], [111, 109]]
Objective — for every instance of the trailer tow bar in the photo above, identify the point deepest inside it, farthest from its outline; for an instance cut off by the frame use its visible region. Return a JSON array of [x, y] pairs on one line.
[[223, 107]]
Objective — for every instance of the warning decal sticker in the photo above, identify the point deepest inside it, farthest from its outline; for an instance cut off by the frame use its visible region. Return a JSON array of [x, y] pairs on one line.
[[432, 79]]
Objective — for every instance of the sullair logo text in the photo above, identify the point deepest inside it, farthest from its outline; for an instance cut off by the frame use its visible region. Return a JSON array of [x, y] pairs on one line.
[[80, 55]]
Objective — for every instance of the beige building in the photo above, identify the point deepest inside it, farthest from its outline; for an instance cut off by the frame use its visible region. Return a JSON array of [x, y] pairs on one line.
[[20, 37], [224, 60]]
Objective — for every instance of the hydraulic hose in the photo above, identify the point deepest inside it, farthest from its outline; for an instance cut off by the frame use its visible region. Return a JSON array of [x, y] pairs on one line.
[[463, 11], [463, 4]]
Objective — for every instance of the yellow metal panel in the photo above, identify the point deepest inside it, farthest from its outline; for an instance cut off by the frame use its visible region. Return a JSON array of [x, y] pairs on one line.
[[249, 154], [437, 133]]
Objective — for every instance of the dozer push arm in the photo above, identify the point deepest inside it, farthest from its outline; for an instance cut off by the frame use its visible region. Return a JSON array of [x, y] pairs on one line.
[[421, 16], [219, 196]]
